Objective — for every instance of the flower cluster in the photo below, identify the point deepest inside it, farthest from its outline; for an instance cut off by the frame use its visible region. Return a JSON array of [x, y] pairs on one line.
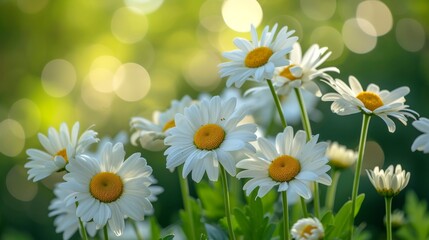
[[214, 138], [100, 188]]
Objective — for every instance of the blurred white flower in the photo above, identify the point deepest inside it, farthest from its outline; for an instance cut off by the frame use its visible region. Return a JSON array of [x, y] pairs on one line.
[[308, 229], [339, 156], [151, 134], [422, 142]]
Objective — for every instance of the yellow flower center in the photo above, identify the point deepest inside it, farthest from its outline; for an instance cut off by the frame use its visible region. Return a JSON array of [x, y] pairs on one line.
[[307, 230], [288, 74], [371, 100], [168, 125], [63, 153], [209, 137], [106, 187], [258, 57], [284, 168]]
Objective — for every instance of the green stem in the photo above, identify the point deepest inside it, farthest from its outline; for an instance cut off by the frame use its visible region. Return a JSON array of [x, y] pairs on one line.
[[186, 202], [106, 235], [82, 227], [277, 102], [361, 150], [285, 216], [227, 202], [304, 207], [307, 127], [136, 230], [330, 195], [388, 201]]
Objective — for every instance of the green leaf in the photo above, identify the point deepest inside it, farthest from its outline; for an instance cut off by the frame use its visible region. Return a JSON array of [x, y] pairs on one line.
[[342, 218], [155, 229], [211, 199], [168, 237], [196, 221], [252, 223], [417, 226]]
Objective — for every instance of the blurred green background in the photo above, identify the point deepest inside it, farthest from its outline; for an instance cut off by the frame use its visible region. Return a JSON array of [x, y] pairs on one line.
[[103, 62]]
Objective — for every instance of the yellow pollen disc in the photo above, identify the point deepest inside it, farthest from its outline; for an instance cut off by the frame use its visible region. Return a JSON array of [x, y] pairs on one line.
[[209, 137], [169, 125], [284, 168], [106, 187], [371, 100], [63, 153], [258, 57], [287, 74], [307, 230]]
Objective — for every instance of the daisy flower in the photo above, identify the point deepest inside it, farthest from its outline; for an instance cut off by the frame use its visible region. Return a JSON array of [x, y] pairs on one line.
[[339, 156], [390, 182], [422, 142], [206, 135], [151, 134], [302, 70], [60, 148], [308, 228], [256, 60], [372, 101], [109, 188], [291, 164], [65, 215]]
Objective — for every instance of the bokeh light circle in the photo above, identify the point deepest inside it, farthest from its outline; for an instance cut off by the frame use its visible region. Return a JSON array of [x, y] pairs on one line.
[[319, 10], [144, 6], [131, 82], [58, 78], [18, 185], [357, 40], [378, 14], [128, 26], [202, 71], [374, 156], [240, 14], [12, 137], [410, 34], [27, 113], [102, 71], [31, 6], [330, 37]]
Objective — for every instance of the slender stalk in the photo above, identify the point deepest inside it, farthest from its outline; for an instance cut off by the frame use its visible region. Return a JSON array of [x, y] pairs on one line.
[[106, 235], [82, 227], [227, 202], [277, 102], [307, 127], [330, 195], [286, 233], [304, 207], [388, 201], [361, 150], [186, 203], [136, 230]]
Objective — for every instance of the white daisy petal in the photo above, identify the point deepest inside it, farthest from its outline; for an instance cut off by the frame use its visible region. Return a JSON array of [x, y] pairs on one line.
[[373, 101], [256, 60], [61, 147], [293, 165]]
